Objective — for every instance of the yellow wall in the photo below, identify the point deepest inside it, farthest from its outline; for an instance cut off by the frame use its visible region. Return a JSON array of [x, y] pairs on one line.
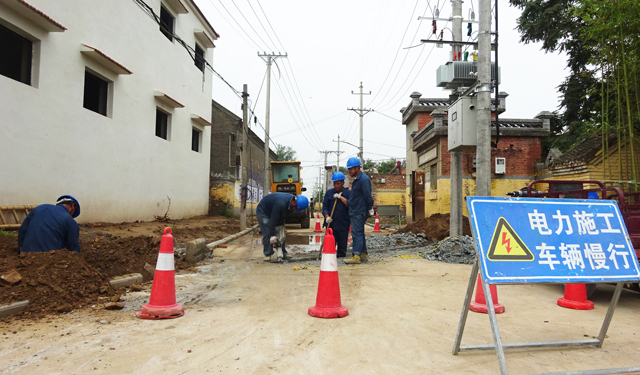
[[384, 197], [440, 200]]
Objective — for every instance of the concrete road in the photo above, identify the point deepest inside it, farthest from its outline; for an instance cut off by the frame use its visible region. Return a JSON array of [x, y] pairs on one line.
[[245, 316]]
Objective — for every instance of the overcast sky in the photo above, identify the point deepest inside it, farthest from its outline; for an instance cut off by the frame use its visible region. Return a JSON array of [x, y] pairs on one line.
[[334, 45]]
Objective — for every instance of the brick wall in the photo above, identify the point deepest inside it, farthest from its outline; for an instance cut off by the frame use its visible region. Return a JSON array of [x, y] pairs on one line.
[[392, 191], [521, 153], [423, 120]]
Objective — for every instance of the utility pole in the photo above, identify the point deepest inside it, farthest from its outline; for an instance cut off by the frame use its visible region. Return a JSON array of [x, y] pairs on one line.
[[361, 112], [269, 58], [483, 150], [455, 205], [245, 159], [338, 154]]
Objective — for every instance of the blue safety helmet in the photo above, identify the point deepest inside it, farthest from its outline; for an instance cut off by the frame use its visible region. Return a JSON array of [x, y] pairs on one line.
[[70, 199], [353, 162], [593, 195], [337, 176], [303, 202]]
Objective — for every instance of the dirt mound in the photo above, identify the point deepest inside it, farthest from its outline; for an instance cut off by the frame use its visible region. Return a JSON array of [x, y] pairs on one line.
[[55, 281], [435, 227], [121, 256]]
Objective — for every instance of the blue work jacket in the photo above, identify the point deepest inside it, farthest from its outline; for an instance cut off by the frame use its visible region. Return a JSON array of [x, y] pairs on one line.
[[360, 200], [341, 214], [48, 227], [275, 206]]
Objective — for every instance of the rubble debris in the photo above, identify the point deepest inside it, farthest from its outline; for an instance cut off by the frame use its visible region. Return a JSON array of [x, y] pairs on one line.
[[453, 250]]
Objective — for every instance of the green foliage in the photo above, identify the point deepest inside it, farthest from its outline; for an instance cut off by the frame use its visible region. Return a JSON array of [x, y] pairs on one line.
[[385, 167], [7, 233], [285, 153], [602, 43], [227, 212], [368, 164]]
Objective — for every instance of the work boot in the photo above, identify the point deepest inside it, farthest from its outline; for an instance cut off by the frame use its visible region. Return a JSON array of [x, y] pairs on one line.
[[287, 257], [364, 258], [353, 260]]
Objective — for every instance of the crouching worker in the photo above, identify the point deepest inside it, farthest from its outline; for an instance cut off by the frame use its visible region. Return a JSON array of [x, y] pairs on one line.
[[51, 227], [271, 212]]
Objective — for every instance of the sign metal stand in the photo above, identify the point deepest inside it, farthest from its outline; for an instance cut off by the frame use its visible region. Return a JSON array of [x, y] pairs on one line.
[[498, 346]]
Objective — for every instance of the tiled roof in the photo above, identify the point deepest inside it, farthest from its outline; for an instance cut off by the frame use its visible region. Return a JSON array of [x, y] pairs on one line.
[[584, 151]]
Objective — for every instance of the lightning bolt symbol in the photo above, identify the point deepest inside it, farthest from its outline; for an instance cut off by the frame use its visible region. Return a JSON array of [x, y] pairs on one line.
[[506, 241]]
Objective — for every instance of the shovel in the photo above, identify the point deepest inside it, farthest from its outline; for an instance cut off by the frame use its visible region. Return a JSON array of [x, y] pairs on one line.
[[325, 231]]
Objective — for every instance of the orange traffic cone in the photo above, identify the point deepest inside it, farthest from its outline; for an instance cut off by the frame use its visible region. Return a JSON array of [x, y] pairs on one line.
[[162, 303], [480, 304], [575, 297], [318, 228], [328, 304], [376, 228]]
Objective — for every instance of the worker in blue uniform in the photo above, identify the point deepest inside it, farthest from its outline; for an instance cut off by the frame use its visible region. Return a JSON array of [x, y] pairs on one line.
[[271, 212], [51, 227], [340, 220], [360, 208]]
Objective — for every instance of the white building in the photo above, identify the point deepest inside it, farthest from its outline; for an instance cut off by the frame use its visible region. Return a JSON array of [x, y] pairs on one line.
[[100, 101]]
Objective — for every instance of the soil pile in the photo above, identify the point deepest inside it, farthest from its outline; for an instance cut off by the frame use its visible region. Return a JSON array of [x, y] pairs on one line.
[[435, 227], [56, 281], [120, 256]]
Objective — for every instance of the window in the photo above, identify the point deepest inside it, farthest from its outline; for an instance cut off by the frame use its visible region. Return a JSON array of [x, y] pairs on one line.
[[16, 52], [166, 23], [433, 181], [196, 136], [95, 93], [199, 57], [162, 124]]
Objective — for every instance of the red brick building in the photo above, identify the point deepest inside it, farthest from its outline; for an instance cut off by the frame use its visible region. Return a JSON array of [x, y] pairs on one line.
[[429, 161]]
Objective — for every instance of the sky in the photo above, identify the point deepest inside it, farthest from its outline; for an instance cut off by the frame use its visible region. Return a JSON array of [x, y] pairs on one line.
[[332, 46]]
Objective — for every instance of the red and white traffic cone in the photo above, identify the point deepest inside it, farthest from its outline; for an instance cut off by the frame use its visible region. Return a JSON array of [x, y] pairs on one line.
[[376, 227], [328, 304], [575, 297], [480, 304], [318, 228], [162, 303]]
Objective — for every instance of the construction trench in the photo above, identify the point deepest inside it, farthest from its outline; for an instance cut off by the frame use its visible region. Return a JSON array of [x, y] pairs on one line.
[[244, 315]]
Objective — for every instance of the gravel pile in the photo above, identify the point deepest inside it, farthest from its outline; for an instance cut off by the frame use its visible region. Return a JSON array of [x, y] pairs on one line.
[[453, 250], [395, 240]]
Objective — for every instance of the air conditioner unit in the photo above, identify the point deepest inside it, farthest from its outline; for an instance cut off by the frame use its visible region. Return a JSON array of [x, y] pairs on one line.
[[500, 165]]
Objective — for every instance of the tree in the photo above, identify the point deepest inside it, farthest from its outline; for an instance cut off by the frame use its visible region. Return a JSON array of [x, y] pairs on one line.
[[285, 153]]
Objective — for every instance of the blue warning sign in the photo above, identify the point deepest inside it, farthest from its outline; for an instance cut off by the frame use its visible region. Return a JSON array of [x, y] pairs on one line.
[[523, 240]]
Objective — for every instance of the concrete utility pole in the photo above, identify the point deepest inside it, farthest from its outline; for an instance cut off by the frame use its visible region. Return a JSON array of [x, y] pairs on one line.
[[361, 112], [338, 154], [244, 162], [266, 181], [483, 150], [455, 205]]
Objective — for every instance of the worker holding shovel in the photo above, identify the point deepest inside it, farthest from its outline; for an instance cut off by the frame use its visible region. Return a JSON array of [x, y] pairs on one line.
[[336, 212]]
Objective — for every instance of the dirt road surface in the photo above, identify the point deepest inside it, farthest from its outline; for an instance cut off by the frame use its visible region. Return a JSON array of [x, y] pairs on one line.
[[245, 316]]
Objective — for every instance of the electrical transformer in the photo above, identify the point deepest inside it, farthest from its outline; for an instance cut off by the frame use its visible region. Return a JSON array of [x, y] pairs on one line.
[[462, 125]]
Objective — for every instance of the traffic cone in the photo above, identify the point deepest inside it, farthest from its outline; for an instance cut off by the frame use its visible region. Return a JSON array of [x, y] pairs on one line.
[[376, 228], [318, 228], [328, 304], [480, 304], [162, 303], [575, 297]]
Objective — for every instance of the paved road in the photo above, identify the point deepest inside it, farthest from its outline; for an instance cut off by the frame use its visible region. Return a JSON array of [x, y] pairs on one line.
[[245, 316]]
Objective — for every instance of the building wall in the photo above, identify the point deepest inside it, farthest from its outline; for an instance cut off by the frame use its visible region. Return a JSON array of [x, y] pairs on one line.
[[226, 179], [411, 164], [520, 165], [115, 165], [391, 192]]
